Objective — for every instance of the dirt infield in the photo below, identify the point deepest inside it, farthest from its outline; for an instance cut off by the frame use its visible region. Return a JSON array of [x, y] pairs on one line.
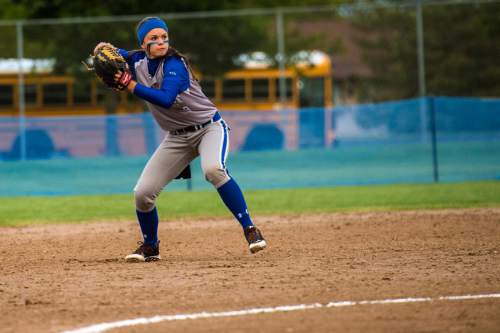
[[63, 277]]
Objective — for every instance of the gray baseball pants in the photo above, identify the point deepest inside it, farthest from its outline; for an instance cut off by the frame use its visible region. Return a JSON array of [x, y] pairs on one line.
[[175, 152]]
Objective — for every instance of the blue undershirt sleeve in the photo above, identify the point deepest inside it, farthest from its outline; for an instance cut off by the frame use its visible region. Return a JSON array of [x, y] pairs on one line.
[[123, 53], [176, 71], [175, 81]]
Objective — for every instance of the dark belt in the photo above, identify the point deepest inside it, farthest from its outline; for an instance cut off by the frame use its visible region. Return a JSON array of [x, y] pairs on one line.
[[194, 128]]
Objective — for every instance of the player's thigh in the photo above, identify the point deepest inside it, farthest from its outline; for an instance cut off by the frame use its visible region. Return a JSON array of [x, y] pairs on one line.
[[214, 146], [167, 162]]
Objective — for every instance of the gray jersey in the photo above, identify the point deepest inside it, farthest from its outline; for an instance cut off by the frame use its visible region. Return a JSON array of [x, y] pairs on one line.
[[191, 107]]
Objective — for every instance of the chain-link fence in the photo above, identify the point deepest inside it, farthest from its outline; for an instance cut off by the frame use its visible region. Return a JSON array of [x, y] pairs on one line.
[[332, 91]]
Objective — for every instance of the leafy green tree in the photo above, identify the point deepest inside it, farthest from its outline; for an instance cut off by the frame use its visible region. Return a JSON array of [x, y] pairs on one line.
[[461, 50], [462, 45], [210, 43], [201, 38]]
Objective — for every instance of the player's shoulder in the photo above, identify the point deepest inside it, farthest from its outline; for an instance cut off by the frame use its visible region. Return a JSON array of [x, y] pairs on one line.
[[174, 66], [174, 61], [136, 55]]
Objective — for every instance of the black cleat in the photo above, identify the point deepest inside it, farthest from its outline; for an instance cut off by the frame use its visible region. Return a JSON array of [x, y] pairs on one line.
[[145, 253], [255, 240]]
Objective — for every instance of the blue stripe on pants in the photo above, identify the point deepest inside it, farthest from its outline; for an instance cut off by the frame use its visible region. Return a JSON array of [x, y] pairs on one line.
[[224, 144]]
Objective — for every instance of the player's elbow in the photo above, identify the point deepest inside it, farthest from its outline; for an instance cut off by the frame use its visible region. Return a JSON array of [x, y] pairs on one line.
[[167, 100], [163, 102], [168, 104], [164, 98]]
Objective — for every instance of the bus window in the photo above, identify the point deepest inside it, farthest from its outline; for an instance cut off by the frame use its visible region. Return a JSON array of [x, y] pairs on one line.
[[233, 89], [82, 92], [312, 91], [288, 87], [133, 99], [55, 94], [260, 89], [6, 92], [208, 86], [30, 94], [101, 91]]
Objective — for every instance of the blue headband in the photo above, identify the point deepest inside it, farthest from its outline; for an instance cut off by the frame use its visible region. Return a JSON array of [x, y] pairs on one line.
[[149, 25]]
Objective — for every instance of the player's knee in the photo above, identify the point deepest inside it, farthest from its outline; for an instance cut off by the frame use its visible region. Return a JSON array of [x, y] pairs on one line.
[[215, 174], [144, 199]]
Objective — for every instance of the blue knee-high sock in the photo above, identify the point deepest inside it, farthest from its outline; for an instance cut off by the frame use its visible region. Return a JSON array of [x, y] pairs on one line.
[[232, 196], [149, 226]]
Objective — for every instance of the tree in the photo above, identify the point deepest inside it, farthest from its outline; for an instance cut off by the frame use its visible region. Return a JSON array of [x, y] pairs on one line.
[[200, 38], [210, 43], [461, 50]]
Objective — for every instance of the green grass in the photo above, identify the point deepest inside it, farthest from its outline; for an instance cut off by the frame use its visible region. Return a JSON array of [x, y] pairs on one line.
[[19, 211]]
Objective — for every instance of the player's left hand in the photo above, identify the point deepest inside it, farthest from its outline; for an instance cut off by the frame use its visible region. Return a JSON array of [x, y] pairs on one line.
[[101, 45], [111, 68]]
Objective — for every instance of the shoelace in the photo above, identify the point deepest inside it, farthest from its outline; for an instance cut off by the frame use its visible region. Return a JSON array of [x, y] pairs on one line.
[[140, 249]]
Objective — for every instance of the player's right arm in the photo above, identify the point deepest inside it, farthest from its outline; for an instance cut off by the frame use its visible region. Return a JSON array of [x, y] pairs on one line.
[[175, 81]]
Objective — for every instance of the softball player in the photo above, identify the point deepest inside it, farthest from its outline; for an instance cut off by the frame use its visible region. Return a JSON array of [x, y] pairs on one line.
[[163, 78]]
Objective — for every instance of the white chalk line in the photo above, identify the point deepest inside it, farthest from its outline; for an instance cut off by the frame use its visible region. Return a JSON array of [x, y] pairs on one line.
[[98, 328]]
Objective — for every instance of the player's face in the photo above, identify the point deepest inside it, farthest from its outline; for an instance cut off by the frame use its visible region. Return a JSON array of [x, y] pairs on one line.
[[157, 42]]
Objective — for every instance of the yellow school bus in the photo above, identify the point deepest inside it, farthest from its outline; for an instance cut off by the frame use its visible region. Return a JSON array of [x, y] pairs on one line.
[[238, 90], [258, 89]]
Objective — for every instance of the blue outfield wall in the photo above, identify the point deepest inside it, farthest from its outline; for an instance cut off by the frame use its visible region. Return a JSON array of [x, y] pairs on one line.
[[381, 143]]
